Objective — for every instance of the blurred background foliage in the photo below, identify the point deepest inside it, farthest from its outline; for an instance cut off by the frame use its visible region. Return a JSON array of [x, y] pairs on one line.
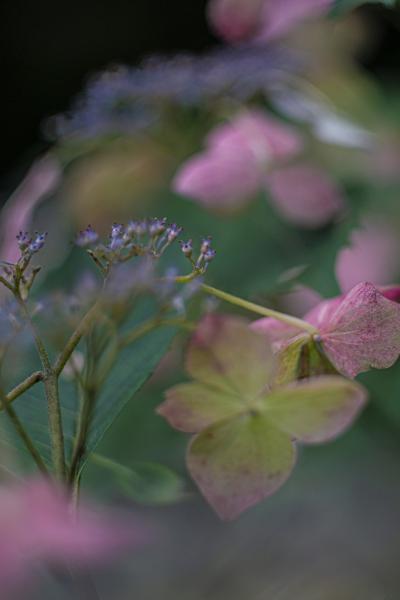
[[331, 532]]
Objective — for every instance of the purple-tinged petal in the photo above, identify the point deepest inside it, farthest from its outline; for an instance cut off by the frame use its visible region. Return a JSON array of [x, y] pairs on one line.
[[226, 354], [315, 410], [239, 462], [304, 195], [363, 331], [191, 407]]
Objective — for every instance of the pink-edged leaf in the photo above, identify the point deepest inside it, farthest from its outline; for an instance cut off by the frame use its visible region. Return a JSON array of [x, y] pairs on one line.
[[226, 354], [304, 195], [192, 407], [363, 331], [315, 410], [239, 462]]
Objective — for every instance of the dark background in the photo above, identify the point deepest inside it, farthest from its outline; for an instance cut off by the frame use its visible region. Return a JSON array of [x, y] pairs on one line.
[[49, 48]]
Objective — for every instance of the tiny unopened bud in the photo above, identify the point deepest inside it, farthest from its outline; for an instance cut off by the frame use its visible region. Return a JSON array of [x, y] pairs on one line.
[[173, 232], [205, 245], [209, 255], [37, 243], [116, 236], [187, 248], [23, 240], [86, 238], [157, 226], [137, 228]]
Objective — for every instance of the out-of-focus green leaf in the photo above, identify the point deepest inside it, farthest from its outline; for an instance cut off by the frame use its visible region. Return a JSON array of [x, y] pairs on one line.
[[145, 482]]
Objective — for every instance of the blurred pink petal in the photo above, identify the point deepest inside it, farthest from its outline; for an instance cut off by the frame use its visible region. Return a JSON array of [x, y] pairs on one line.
[[305, 195], [235, 20], [372, 255], [230, 171], [300, 300], [218, 181], [37, 524], [268, 139], [41, 180], [261, 20]]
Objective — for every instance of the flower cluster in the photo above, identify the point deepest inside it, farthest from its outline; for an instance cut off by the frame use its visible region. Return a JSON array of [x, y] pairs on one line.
[[145, 238], [19, 277]]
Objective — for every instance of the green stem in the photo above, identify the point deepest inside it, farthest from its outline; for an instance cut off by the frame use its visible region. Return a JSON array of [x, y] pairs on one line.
[[75, 338], [50, 380], [260, 310], [24, 386]]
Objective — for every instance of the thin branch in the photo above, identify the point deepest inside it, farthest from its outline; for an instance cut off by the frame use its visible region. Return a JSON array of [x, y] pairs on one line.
[[74, 340], [24, 386]]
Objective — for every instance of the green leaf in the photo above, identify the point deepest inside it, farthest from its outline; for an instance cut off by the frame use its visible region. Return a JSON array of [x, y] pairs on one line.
[[225, 353], [315, 410], [145, 482], [239, 462], [191, 407]]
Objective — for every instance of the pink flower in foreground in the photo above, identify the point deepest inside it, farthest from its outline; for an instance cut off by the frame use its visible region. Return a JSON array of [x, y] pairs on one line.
[[261, 20], [358, 331], [234, 167], [36, 524], [372, 255]]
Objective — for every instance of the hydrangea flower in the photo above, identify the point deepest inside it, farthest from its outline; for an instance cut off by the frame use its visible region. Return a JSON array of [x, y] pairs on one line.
[[357, 331], [246, 427], [261, 21], [241, 157]]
